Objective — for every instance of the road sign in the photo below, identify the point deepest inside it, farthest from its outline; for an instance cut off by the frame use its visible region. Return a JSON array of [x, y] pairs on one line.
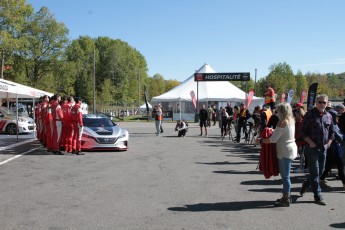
[[222, 76]]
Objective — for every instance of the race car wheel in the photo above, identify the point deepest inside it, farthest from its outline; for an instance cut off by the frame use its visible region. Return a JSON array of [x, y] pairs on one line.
[[11, 129]]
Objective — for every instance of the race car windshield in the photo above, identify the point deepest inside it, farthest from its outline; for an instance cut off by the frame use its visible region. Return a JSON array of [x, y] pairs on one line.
[[97, 122]]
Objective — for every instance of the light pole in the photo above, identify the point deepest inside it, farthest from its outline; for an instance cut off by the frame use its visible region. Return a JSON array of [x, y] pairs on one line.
[[255, 82], [138, 88], [94, 81]]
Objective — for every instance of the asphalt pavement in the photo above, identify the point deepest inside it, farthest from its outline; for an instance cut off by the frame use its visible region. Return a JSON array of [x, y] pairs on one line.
[[163, 182]]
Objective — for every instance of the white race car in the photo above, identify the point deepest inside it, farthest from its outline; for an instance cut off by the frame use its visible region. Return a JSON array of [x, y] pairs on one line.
[[8, 122], [101, 133]]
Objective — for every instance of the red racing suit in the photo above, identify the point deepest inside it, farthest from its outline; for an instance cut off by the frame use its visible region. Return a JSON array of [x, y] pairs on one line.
[[67, 127], [77, 121], [57, 125]]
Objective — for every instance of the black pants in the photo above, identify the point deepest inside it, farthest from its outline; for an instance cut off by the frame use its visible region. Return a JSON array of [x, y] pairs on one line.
[[182, 132], [333, 158]]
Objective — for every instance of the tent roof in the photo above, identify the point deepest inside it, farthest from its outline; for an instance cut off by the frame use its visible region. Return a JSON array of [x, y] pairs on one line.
[[9, 89], [143, 106], [207, 90]]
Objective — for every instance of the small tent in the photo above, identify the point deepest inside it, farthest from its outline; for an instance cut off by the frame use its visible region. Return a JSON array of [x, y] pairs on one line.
[[142, 108], [179, 100]]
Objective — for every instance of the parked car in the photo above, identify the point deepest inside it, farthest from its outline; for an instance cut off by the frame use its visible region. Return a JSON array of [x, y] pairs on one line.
[[8, 122], [101, 133]]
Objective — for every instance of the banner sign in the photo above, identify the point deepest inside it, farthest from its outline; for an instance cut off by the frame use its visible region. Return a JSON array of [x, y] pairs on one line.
[[311, 95], [145, 97], [250, 97], [192, 94], [303, 95], [222, 76], [290, 96], [283, 98]]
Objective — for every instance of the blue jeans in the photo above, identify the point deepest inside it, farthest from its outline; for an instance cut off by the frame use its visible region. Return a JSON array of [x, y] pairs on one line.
[[158, 125], [284, 170], [316, 164]]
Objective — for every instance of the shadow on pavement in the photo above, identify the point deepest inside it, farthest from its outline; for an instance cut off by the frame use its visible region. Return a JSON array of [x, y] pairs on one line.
[[338, 225], [224, 163], [223, 206], [236, 172]]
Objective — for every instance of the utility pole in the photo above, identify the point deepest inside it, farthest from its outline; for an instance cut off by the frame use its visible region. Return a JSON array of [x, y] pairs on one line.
[[138, 88]]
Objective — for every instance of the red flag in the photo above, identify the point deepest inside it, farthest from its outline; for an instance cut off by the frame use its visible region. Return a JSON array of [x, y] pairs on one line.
[[283, 98], [192, 94], [250, 97], [303, 95]]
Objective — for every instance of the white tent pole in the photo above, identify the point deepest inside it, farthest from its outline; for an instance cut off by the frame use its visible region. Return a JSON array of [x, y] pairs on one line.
[[180, 109], [17, 115]]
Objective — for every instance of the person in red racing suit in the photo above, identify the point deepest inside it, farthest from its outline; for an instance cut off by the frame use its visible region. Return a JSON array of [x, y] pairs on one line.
[[57, 117], [77, 121]]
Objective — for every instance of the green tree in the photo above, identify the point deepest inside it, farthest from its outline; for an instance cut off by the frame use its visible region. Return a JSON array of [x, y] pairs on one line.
[[170, 84], [281, 78], [81, 53], [46, 40], [301, 84], [156, 85], [13, 16]]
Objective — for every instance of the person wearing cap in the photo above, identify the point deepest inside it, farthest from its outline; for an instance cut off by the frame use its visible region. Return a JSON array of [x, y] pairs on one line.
[[317, 131], [270, 96], [77, 122]]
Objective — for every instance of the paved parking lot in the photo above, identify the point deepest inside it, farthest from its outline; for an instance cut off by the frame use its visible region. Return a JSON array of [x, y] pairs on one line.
[[161, 182]]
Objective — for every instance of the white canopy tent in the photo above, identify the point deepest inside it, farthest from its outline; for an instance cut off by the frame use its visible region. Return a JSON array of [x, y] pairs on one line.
[[11, 90], [216, 92]]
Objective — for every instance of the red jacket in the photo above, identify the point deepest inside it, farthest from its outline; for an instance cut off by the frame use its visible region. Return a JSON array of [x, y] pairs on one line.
[[268, 156]]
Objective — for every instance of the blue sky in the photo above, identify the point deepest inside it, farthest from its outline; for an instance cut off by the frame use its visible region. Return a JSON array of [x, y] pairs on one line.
[[177, 37]]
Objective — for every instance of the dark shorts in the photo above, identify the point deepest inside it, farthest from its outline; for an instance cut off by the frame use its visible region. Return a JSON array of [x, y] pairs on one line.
[[202, 123]]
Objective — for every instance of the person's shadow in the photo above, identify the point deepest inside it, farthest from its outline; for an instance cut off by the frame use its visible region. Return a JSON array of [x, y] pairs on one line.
[[223, 206]]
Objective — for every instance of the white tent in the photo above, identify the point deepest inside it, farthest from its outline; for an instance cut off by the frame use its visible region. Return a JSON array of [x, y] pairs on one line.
[[142, 108], [9, 89], [207, 92]]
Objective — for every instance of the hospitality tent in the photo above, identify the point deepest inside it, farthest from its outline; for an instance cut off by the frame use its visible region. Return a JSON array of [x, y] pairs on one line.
[[179, 100]]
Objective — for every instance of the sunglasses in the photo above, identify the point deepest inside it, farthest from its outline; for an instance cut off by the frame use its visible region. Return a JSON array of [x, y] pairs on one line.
[[322, 102]]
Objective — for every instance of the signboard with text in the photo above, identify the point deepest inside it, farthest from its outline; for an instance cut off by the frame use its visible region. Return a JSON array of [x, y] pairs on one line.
[[222, 76]]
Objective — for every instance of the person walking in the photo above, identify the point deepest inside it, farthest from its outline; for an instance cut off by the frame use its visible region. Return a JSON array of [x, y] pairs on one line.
[[317, 131], [286, 147], [203, 115]]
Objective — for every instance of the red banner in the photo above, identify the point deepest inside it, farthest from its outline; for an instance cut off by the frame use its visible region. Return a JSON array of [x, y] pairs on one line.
[[192, 94], [283, 98], [250, 97], [303, 95]]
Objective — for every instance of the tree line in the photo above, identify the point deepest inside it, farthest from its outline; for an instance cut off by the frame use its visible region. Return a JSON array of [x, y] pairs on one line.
[[37, 52]]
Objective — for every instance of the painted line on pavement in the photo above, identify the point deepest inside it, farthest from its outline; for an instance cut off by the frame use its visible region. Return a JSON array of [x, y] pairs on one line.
[[17, 156], [16, 144]]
